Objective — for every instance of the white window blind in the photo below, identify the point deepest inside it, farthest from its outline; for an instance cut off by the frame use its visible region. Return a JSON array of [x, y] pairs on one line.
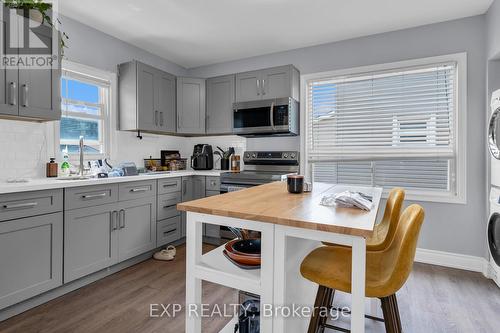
[[399, 114], [391, 128]]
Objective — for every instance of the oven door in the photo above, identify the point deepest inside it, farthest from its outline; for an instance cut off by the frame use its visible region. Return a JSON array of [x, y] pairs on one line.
[[261, 117]]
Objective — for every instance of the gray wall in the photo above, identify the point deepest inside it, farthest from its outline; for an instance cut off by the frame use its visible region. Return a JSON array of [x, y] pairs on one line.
[[95, 48], [493, 26], [451, 228]]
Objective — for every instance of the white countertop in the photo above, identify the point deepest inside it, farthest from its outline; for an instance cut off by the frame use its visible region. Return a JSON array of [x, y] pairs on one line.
[[54, 183]]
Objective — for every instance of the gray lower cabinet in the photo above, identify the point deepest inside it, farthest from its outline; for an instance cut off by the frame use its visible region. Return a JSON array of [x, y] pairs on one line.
[[220, 99], [191, 106], [212, 230], [91, 240], [193, 187], [168, 230], [137, 227], [147, 98], [31, 256], [101, 235]]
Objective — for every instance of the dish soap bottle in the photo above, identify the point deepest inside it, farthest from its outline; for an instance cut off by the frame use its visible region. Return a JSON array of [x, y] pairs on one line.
[[65, 166]]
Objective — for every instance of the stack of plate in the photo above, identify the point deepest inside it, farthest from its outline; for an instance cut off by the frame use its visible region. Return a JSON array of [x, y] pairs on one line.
[[244, 253]]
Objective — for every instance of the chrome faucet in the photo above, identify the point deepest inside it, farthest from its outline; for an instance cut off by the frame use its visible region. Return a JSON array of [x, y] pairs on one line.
[[81, 156]]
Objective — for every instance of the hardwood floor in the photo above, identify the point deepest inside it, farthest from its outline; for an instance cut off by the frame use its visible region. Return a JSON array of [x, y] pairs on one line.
[[434, 299]]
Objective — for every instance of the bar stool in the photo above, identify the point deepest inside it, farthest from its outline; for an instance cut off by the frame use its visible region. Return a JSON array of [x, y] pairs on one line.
[[386, 271], [383, 232]]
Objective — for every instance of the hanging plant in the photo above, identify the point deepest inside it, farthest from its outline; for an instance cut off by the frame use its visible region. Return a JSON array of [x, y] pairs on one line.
[[44, 9]]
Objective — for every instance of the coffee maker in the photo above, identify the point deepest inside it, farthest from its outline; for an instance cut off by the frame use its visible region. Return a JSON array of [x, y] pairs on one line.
[[203, 157]]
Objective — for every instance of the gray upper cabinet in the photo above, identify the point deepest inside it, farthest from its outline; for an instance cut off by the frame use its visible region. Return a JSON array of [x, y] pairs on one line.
[[30, 257], [248, 86], [276, 82], [190, 105], [31, 94], [147, 98], [220, 99]]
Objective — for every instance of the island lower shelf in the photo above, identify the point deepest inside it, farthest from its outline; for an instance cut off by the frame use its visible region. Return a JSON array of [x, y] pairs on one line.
[[215, 267]]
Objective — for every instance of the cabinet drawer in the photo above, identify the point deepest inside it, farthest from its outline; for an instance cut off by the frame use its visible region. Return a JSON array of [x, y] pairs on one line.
[[18, 205], [88, 196], [212, 184], [136, 190], [169, 185], [168, 231], [167, 205]]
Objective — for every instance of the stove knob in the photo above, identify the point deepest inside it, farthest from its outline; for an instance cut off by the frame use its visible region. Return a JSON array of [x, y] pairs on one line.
[[247, 155], [254, 156], [292, 155], [285, 155]]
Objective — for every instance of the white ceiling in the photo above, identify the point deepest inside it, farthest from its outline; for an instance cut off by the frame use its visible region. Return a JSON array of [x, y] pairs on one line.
[[193, 33]]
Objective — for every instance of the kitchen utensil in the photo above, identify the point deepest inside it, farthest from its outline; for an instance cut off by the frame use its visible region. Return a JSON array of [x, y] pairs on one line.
[[240, 265], [295, 183], [247, 246]]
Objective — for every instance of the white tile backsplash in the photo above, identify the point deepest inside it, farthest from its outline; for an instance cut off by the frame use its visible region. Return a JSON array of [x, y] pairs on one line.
[[25, 147]]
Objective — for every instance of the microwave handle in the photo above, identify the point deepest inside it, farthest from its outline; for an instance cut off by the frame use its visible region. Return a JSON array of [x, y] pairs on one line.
[[271, 115]]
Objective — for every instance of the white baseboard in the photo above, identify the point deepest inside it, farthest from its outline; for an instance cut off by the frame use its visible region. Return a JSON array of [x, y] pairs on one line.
[[453, 260]]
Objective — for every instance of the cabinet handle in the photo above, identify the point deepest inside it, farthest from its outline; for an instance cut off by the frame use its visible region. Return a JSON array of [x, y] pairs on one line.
[[156, 118], [168, 232], [258, 87], [93, 196], [161, 118], [114, 218], [21, 206], [25, 95], [12, 93], [122, 219], [170, 185], [184, 183], [139, 189], [263, 87]]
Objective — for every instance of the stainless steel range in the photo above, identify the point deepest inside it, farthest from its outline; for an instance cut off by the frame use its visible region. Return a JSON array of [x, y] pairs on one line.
[[261, 167]]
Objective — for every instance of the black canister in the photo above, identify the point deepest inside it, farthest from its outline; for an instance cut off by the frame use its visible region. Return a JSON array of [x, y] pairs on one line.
[[295, 183]]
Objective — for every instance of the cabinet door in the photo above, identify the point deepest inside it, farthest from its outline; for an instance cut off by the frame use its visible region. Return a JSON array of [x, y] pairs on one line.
[[30, 257], [137, 228], [146, 98], [220, 99], [91, 239], [166, 86], [191, 105], [248, 86], [38, 92], [8, 81], [199, 186], [276, 82]]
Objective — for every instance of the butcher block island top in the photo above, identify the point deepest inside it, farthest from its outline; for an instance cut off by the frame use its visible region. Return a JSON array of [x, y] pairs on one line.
[[271, 203]]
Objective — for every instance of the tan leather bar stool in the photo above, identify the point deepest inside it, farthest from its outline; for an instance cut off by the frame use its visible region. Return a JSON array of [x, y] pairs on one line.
[[383, 233], [386, 271]]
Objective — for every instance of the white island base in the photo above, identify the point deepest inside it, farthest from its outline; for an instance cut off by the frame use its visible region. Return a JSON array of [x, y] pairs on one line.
[[278, 281]]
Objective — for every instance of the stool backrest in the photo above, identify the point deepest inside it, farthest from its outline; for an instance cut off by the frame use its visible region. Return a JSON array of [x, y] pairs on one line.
[[398, 257], [392, 212]]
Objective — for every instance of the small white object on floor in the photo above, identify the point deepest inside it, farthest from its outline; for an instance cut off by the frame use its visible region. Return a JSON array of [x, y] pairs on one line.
[[167, 254]]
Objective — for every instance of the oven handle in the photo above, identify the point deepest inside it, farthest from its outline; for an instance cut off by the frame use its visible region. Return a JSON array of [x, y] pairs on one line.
[[271, 115]]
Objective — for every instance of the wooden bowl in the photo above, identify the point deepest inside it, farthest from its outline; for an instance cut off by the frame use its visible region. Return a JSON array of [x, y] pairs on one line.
[[241, 258], [230, 247]]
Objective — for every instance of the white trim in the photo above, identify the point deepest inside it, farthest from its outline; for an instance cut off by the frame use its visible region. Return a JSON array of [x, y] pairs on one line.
[[110, 119], [452, 260], [457, 195]]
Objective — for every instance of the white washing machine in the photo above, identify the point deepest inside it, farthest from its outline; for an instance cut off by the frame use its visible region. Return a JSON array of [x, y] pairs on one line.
[[494, 138], [494, 234]]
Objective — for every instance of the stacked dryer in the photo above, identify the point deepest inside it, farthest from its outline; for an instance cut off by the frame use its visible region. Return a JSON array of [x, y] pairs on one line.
[[494, 218]]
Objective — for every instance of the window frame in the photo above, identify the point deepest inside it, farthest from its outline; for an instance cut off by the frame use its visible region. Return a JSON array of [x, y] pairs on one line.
[[107, 117], [457, 193]]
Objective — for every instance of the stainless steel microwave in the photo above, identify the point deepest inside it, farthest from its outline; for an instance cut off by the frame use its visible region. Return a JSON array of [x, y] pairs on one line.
[[279, 116]]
